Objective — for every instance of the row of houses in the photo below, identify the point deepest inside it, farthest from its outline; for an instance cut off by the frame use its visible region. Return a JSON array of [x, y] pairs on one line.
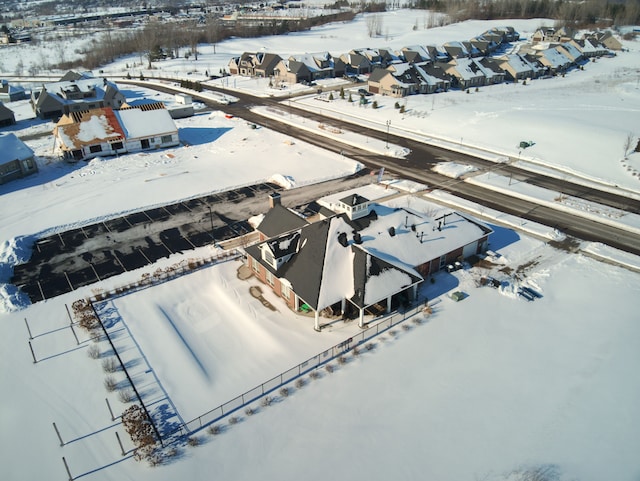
[[428, 69], [359, 256]]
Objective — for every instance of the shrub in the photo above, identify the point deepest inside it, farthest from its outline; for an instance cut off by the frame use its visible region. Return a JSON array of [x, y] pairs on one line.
[[370, 346], [329, 368], [406, 327], [137, 424], [193, 441], [342, 360], [300, 383], [125, 395], [331, 96], [234, 420], [314, 374], [396, 105], [93, 351], [266, 401], [374, 104], [355, 352], [109, 365], [401, 109], [214, 430], [284, 392], [249, 411], [110, 383]]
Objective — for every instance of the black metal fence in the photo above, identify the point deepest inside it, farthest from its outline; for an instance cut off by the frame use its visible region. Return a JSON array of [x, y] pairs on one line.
[[287, 376]]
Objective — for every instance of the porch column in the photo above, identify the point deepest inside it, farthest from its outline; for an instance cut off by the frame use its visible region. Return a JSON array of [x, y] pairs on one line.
[[316, 325], [296, 302], [414, 291], [361, 319], [388, 304], [343, 305]]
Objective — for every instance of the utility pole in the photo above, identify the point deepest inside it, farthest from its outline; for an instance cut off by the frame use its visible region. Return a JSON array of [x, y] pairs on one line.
[[388, 124]]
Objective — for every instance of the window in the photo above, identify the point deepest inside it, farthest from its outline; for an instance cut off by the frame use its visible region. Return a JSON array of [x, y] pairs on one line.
[[286, 291], [268, 256], [144, 143], [95, 149], [256, 266], [116, 145], [165, 139], [443, 260], [270, 278]]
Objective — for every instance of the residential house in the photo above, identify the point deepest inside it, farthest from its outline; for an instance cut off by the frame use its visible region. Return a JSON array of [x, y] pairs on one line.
[[54, 100], [554, 60], [319, 65], [608, 40], [492, 70], [516, 67], [415, 54], [105, 131], [356, 63], [484, 46], [465, 73], [367, 258], [16, 159], [508, 33], [589, 47], [456, 50], [552, 34], [573, 53], [7, 116], [543, 34], [11, 93], [400, 80], [260, 64]]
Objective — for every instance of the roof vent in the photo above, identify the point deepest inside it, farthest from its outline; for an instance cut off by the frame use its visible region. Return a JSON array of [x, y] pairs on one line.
[[357, 238], [392, 231]]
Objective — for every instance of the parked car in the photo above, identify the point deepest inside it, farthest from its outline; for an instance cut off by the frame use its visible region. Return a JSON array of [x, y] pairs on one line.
[[364, 92]]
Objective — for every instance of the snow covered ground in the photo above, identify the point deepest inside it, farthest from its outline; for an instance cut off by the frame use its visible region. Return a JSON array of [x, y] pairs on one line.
[[481, 389]]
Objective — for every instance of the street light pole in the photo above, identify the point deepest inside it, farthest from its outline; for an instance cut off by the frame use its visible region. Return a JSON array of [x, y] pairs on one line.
[[388, 124], [210, 219]]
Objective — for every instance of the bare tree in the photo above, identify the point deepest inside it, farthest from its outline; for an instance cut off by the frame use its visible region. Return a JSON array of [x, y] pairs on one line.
[[628, 144]]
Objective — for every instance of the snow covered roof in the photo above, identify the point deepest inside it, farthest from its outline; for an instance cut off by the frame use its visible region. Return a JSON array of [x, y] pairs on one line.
[[368, 259], [12, 148], [79, 90], [138, 123]]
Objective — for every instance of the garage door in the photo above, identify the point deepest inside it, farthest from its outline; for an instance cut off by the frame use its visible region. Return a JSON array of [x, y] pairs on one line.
[[469, 249]]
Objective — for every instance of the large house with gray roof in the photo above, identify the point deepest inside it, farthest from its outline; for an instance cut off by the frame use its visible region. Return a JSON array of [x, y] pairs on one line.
[[365, 257], [53, 100]]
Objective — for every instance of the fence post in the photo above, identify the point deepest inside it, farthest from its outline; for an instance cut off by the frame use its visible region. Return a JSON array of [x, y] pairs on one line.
[[66, 466], [33, 354], [113, 418], [120, 443], [74, 334], [29, 330], [59, 437]]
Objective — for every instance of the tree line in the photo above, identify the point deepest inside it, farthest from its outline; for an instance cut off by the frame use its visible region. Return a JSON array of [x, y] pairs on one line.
[[582, 14]]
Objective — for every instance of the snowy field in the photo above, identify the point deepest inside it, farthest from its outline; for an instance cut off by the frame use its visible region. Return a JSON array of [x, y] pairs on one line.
[[482, 389]]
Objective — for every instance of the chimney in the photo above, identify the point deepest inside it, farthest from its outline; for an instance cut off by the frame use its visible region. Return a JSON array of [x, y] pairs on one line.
[[274, 199]]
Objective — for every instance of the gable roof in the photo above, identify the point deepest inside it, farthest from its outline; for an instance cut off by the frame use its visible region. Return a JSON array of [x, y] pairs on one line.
[[12, 148], [279, 220]]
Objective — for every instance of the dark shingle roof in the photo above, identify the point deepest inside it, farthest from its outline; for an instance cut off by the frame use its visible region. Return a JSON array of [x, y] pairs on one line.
[[279, 220]]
